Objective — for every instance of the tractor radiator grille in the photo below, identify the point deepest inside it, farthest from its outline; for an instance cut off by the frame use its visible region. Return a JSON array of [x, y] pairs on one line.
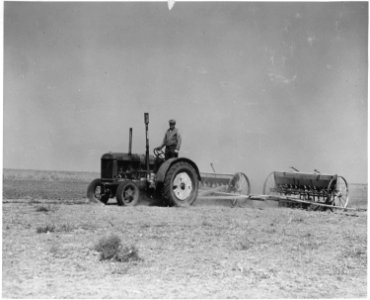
[[106, 168]]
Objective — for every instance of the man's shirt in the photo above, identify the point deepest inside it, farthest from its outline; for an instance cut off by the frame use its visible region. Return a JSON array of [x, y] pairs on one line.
[[172, 138]]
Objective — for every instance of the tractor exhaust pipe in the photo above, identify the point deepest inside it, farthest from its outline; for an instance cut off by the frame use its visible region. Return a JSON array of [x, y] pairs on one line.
[[130, 142], [146, 120]]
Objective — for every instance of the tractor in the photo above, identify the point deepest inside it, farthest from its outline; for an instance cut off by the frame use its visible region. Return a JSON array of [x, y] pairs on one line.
[[126, 176]]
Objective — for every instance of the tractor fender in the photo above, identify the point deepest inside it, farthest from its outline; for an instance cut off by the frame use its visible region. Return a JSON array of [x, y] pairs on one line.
[[161, 174]]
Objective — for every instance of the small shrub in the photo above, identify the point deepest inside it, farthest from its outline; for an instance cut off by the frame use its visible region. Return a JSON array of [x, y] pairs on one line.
[[245, 243], [127, 254], [111, 248], [108, 246], [45, 229], [42, 209]]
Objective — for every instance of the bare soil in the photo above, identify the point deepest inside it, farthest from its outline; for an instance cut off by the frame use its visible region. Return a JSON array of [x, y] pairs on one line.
[[209, 250]]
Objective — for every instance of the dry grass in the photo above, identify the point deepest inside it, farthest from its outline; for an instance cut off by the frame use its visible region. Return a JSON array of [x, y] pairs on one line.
[[53, 228], [205, 251], [199, 252], [45, 229]]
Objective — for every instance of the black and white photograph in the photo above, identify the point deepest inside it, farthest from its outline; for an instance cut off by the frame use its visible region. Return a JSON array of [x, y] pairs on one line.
[[185, 149]]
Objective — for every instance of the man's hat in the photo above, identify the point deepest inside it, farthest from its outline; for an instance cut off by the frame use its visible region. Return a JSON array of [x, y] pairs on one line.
[[172, 121]]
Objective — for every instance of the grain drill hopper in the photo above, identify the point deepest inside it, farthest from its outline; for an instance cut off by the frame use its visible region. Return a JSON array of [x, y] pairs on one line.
[[308, 188]]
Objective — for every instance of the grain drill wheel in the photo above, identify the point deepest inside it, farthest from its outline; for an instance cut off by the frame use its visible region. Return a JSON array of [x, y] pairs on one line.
[[270, 188], [180, 186], [95, 192], [128, 193], [339, 195], [239, 184]]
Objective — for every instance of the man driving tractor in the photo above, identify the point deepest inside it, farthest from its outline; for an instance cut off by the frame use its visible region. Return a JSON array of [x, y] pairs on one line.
[[171, 140]]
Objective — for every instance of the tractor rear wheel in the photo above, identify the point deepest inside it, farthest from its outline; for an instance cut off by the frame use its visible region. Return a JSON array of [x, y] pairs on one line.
[[128, 193], [95, 192], [180, 186]]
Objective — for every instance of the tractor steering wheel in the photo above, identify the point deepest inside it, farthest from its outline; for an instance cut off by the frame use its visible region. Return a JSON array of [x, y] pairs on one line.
[[159, 153]]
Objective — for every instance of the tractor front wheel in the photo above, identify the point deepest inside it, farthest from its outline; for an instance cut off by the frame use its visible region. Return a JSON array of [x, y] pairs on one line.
[[95, 192], [180, 186], [128, 193]]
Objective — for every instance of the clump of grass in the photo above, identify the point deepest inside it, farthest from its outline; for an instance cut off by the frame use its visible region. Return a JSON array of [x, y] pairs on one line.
[[58, 251], [111, 248], [356, 252], [356, 247], [295, 219], [45, 229], [308, 244], [54, 250], [121, 269], [42, 209], [126, 254], [206, 223], [245, 243], [108, 246], [66, 228], [52, 228]]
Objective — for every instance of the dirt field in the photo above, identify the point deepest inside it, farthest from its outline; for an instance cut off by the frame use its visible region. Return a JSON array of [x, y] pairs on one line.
[[209, 250]]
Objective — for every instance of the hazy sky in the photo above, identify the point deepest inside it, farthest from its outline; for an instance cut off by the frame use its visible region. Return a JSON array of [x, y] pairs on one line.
[[254, 87]]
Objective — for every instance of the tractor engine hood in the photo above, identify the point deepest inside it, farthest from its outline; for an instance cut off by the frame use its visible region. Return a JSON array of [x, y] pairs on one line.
[[127, 157]]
